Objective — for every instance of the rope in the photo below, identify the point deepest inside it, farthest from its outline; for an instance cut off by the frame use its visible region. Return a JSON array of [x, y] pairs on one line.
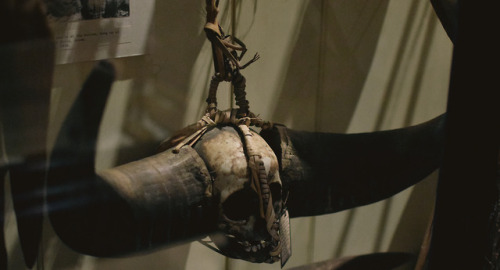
[[239, 83], [228, 117]]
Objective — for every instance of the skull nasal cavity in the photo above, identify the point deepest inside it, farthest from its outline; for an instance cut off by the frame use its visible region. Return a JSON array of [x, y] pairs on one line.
[[241, 204]]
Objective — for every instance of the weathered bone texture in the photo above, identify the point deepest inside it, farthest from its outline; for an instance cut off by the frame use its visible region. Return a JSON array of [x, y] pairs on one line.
[[134, 207], [326, 173], [167, 198], [228, 152], [162, 199], [26, 67]]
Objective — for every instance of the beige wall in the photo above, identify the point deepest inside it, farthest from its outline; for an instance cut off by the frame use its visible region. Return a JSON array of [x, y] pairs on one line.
[[326, 65]]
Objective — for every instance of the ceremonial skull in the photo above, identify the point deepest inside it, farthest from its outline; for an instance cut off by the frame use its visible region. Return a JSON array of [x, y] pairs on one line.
[[243, 230]]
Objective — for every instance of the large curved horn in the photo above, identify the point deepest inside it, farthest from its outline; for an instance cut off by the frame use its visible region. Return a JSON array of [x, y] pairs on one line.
[[26, 68], [134, 207], [326, 173]]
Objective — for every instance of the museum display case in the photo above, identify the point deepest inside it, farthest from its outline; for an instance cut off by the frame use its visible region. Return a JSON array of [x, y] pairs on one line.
[[321, 154]]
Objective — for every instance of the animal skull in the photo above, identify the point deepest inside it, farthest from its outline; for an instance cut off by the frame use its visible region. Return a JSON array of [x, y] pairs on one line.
[[191, 192], [244, 233]]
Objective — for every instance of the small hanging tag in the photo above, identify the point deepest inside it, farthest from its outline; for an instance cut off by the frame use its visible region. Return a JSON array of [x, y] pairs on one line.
[[285, 238]]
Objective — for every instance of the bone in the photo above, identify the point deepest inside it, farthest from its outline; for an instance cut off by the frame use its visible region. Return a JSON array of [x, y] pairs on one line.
[[160, 200], [165, 198]]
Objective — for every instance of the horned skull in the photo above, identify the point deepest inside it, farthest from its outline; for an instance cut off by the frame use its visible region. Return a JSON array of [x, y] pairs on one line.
[[208, 178], [247, 230]]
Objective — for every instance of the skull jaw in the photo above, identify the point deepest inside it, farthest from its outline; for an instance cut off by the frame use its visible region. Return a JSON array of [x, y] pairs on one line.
[[252, 251], [243, 230]]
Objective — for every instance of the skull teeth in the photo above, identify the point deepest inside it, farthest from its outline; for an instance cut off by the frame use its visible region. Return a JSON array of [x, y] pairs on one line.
[[253, 248], [245, 244]]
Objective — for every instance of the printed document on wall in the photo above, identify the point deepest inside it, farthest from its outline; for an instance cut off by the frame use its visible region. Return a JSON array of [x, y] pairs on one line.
[[87, 30]]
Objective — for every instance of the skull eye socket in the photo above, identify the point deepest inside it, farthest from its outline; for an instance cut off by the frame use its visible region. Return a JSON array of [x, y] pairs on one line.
[[241, 204]]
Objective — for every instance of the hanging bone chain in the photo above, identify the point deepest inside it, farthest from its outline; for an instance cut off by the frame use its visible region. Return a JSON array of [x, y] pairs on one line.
[[227, 64], [259, 183], [240, 95], [212, 94]]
